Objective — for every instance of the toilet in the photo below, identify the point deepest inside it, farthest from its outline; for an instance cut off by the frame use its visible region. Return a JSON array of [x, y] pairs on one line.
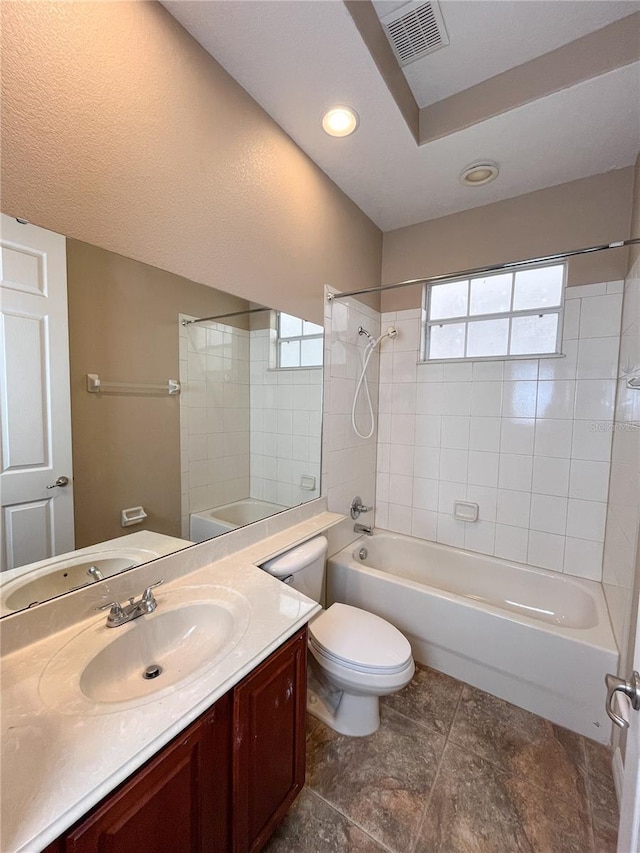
[[355, 656]]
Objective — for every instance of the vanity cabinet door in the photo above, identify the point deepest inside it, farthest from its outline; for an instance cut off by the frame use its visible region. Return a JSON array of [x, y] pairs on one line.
[[269, 710], [178, 802]]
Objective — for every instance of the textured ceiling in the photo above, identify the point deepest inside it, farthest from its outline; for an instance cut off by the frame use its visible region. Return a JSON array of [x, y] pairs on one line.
[[298, 58]]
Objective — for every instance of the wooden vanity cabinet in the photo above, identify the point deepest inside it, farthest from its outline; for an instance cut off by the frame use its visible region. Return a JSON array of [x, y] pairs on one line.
[[223, 784]]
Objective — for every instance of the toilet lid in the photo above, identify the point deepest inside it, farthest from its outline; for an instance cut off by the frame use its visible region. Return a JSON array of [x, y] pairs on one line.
[[360, 640]]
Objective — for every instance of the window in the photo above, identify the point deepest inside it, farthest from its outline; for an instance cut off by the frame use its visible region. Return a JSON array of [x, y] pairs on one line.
[[298, 343], [503, 315]]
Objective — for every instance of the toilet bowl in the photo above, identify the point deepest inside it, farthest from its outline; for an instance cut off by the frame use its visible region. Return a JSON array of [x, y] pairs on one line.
[[355, 656]]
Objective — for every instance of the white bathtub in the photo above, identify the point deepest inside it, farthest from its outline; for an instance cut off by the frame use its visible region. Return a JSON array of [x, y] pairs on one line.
[[220, 519], [538, 639]]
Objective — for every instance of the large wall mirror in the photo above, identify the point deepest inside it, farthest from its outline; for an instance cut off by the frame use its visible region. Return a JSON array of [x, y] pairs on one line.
[[141, 412]]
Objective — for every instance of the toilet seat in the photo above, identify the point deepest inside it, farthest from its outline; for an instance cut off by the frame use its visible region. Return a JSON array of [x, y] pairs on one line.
[[359, 641]]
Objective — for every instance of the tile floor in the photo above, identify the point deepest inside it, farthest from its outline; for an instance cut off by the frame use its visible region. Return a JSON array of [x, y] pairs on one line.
[[452, 769]]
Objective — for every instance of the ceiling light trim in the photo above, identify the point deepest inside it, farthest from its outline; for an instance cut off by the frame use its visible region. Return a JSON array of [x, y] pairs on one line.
[[340, 121], [479, 174]]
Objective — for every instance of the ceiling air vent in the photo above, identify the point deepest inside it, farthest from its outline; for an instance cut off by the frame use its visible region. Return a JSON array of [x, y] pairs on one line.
[[415, 29]]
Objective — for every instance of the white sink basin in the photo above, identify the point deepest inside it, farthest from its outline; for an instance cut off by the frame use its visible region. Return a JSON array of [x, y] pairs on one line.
[[64, 575], [103, 670]]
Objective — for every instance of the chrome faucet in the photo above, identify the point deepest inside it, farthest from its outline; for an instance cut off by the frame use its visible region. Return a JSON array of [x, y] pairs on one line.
[[362, 528], [95, 573], [119, 615]]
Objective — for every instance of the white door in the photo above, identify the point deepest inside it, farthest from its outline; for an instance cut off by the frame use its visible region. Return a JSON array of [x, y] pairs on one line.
[[628, 711], [35, 410]]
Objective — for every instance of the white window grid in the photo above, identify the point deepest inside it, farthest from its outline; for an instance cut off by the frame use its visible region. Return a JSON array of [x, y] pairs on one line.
[[290, 338], [467, 318]]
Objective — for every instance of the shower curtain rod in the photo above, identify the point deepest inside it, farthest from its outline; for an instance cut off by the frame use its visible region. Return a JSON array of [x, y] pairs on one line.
[[477, 270], [225, 316]]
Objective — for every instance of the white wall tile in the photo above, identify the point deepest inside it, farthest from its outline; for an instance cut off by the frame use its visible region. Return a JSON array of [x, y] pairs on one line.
[[426, 462], [513, 508], [455, 432], [400, 518], [520, 369], [486, 498], [519, 399], [424, 524], [427, 430], [589, 480], [454, 465], [480, 536], [400, 489], [548, 514], [546, 550], [401, 458], [551, 476], [556, 399], [564, 367], [487, 371], [448, 493], [511, 543], [515, 472], [583, 559], [553, 437], [486, 399], [598, 358], [456, 398], [450, 531], [517, 435], [425, 493], [600, 316], [592, 440], [586, 519], [571, 326], [483, 468], [484, 434], [595, 399], [402, 429]]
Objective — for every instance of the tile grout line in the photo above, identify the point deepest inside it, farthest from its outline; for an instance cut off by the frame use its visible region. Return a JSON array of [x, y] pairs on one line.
[[437, 776], [350, 820]]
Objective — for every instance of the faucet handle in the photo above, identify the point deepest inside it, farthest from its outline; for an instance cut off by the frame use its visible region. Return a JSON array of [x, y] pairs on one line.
[[115, 608], [147, 595]]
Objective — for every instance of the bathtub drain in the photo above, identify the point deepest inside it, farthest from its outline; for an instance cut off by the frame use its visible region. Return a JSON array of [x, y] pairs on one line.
[[152, 671], [363, 553]]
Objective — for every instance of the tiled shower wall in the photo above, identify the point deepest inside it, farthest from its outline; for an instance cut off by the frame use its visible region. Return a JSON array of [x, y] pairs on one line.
[[214, 416], [527, 440], [286, 424], [348, 462]]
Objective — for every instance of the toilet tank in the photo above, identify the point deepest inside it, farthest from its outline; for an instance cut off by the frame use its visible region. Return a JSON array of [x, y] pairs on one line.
[[302, 567]]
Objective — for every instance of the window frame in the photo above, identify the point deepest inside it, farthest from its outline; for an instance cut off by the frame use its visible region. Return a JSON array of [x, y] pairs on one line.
[[509, 315], [279, 338]]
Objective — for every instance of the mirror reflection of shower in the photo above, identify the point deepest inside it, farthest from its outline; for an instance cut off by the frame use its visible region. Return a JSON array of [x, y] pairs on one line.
[[365, 358]]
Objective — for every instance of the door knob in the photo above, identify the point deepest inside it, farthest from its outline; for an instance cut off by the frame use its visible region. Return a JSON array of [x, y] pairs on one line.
[[631, 690], [60, 482]]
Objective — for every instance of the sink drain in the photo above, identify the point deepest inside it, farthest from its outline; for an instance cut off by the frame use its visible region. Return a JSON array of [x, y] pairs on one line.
[[152, 671]]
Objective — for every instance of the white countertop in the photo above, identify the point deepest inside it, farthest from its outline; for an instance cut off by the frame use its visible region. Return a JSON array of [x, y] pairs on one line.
[[55, 766]]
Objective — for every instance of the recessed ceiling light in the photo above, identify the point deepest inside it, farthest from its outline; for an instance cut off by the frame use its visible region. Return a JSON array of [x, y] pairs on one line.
[[340, 121], [478, 174]]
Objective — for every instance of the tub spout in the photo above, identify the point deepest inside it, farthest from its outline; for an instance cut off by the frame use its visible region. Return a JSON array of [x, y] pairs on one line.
[[362, 528]]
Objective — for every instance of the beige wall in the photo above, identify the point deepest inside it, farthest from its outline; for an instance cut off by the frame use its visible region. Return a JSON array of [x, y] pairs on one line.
[[570, 216], [123, 325], [118, 129]]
